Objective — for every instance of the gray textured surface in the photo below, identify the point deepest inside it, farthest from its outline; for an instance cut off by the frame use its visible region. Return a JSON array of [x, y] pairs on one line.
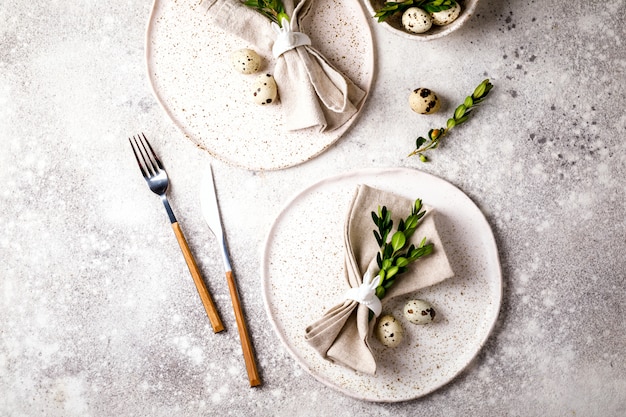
[[92, 323]]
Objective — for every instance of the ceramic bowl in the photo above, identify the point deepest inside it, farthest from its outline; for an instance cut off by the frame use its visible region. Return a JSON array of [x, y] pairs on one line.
[[394, 23]]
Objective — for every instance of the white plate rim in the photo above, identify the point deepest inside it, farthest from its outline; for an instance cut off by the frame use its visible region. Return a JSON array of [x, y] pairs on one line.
[[497, 301]]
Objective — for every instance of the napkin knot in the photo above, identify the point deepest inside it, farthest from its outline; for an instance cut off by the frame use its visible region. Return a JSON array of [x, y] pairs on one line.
[[287, 39], [366, 293]]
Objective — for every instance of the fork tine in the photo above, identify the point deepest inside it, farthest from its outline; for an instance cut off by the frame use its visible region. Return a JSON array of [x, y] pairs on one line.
[[148, 156], [154, 155], [137, 152]]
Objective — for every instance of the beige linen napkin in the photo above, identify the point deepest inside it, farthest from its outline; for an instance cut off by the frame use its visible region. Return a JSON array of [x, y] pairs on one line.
[[312, 92], [341, 335]]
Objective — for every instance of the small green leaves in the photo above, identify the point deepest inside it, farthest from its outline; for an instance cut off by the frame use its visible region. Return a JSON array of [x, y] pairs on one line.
[[417, 206], [380, 292], [429, 6], [461, 115], [393, 259], [391, 7], [384, 223], [411, 222], [272, 9], [387, 263], [480, 90], [434, 6], [391, 272], [419, 142], [423, 250], [402, 261], [460, 111], [397, 241], [378, 237]]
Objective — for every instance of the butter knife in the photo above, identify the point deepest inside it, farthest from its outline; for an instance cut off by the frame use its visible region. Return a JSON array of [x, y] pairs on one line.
[[211, 212]]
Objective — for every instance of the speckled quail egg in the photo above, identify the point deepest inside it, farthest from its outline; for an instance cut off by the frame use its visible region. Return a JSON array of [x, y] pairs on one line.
[[264, 89], [445, 17], [246, 61], [389, 331], [424, 101], [419, 312], [416, 20]]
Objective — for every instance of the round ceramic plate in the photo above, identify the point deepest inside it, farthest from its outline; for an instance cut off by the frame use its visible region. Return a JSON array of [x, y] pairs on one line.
[[188, 62], [303, 277]]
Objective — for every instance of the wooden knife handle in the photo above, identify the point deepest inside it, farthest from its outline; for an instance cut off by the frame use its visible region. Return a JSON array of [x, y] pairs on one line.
[[246, 344], [205, 296]]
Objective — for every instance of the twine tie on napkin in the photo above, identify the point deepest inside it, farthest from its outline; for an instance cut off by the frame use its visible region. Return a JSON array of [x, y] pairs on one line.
[[287, 39], [366, 293], [312, 92], [342, 334]]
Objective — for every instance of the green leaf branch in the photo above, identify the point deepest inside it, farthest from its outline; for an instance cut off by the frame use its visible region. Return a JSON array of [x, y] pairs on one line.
[[394, 257], [272, 9], [461, 115], [430, 6]]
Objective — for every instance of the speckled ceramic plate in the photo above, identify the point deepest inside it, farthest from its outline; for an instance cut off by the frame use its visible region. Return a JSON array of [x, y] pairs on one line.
[[303, 277], [189, 68]]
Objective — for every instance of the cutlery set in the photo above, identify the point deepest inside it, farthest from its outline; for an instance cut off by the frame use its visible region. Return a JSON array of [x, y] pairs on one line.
[[155, 175]]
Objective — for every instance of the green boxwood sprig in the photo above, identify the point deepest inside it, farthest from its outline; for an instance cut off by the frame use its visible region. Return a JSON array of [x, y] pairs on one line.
[[394, 258], [272, 9], [461, 114]]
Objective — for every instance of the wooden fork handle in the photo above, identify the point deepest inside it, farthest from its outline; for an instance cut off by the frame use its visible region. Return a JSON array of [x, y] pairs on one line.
[[205, 296], [246, 344]]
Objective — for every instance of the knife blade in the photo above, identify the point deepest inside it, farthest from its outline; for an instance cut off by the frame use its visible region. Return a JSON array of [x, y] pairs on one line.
[[211, 212]]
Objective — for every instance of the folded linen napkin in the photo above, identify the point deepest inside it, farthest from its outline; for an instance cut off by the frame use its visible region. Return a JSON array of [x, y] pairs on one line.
[[341, 335], [312, 92]]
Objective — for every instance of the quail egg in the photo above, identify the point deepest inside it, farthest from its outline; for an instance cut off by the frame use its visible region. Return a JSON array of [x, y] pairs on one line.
[[416, 20], [389, 331], [245, 61], [419, 312], [445, 17], [264, 89], [424, 101]]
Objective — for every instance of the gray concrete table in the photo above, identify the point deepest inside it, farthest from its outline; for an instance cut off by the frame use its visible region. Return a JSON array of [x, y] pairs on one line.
[[88, 326]]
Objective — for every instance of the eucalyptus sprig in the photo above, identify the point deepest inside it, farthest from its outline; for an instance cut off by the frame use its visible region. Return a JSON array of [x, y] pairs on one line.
[[430, 6], [272, 9], [461, 114], [393, 258]]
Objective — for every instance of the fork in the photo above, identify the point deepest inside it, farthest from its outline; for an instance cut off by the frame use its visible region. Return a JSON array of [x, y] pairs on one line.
[[157, 179]]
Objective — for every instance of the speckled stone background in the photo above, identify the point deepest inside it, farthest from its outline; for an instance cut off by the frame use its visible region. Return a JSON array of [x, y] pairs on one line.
[[98, 314]]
